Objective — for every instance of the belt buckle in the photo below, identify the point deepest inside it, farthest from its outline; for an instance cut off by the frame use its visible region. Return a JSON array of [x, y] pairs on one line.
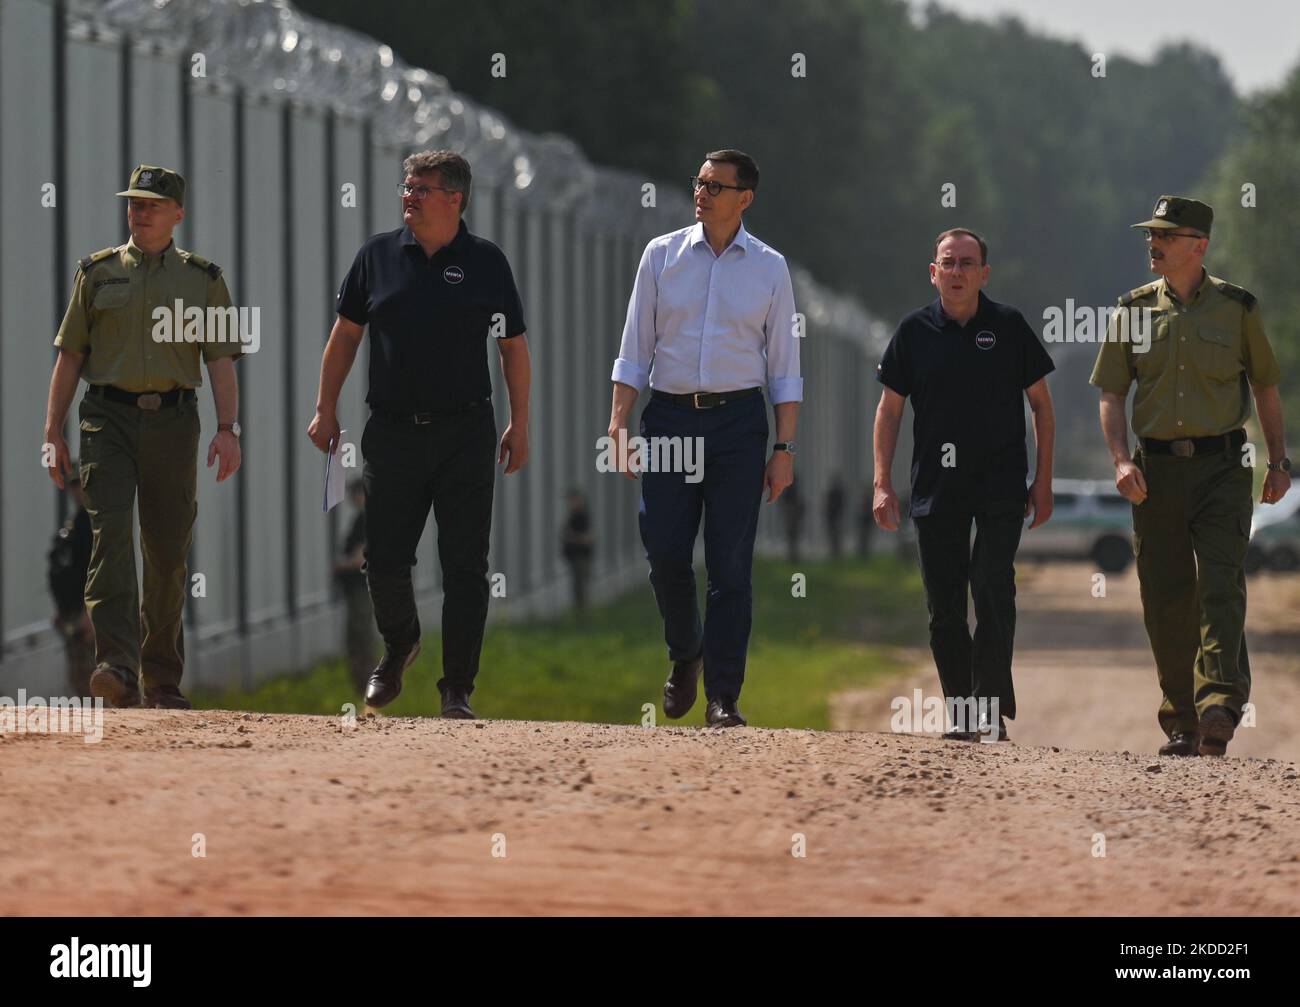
[[695, 400], [1182, 448], [151, 402], [422, 419]]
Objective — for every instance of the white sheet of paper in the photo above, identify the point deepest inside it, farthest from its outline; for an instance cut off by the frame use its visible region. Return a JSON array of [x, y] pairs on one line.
[[334, 476]]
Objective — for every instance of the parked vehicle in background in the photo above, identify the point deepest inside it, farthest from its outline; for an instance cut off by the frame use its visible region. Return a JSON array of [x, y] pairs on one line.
[[1090, 520], [1275, 536]]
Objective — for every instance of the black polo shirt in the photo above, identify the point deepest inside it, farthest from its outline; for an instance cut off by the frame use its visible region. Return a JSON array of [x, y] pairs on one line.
[[430, 317], [967, 385]]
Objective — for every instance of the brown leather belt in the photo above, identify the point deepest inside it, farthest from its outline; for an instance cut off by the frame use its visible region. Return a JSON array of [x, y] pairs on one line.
[[707, 400], [1189, 447], [150, 401]]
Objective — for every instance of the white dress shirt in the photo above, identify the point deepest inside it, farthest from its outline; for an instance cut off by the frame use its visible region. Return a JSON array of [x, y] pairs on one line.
[[700, 322]]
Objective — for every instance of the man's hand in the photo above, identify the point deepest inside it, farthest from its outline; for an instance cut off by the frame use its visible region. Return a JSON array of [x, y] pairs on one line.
[[62, 459], [623, 453], [324, 428], [884, 507], [225, 445], [515, 443], [1040, 501], [778, 475], [1129, 482], [1276, 483]]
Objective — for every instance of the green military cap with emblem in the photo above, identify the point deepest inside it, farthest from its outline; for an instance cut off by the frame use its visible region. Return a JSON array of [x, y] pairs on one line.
[[151, 182], [1178, 211]]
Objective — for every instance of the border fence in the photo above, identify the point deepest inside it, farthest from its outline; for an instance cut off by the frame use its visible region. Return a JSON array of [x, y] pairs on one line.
[[291, 132]]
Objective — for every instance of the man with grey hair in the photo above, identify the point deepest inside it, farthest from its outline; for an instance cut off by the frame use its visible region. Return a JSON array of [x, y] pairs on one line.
[[431, 293]]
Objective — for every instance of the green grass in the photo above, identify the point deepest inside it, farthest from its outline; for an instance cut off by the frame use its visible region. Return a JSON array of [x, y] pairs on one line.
[[606, 666]]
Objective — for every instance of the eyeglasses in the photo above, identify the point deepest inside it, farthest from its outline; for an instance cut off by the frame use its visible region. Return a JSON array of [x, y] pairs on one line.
[[421, 191], [1151, 234], [949, 265], [714, 188]]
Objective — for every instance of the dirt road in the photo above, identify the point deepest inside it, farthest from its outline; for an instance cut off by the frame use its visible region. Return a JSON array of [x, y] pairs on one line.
[[299, 814]]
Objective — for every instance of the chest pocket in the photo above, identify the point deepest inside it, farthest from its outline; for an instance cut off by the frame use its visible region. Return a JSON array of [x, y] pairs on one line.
[[1152, 362], [1217, 354], [111, 296]]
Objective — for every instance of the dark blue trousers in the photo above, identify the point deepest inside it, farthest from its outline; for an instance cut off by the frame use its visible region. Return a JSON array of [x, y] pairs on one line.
[[735, 456]]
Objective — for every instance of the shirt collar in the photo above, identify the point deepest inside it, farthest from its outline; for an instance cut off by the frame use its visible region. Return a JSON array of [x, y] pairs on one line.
[[741, 240], [136, 255], [941, 317], [1168, 292], [458, 245]]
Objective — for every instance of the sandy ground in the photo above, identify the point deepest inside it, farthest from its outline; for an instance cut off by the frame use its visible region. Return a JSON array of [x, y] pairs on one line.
[[403, 816]]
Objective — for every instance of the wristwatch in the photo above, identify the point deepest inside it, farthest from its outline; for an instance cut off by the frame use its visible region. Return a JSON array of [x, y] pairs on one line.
[[1283, 466], [234, 428], [786, 446]]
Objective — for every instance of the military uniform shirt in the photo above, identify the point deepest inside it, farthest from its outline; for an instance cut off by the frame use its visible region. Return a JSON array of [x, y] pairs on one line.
[[1192, 381], [110, 318]]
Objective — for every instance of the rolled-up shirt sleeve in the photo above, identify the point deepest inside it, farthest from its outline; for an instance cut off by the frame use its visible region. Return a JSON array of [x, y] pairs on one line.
[[638, 346], [784, 382]]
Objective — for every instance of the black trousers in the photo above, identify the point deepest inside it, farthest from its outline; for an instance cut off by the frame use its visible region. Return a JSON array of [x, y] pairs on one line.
[[449, 464], [952, 570]]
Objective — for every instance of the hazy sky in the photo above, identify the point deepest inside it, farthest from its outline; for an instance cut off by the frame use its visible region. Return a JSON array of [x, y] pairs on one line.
[[1258, 41]]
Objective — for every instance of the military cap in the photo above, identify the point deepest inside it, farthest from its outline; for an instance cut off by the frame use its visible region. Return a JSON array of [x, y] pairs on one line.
[[152, 182], [1178, 211]]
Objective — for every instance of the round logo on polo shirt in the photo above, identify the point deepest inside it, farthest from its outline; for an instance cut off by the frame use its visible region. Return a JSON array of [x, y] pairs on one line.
[[985, 339], [453, 274]]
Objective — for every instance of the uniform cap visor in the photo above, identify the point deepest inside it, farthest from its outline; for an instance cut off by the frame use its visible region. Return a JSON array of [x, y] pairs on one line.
[[144, 194], [1167, 225]]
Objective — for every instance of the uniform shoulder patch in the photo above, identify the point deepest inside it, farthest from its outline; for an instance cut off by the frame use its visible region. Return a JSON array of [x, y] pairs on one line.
[[96, 257], [211, 268], [1236, 293], [1138, 292]]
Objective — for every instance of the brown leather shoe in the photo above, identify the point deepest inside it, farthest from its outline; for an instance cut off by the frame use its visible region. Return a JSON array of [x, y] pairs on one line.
[[682, 687], [1183, 743], [117, 687], [1217, 728]]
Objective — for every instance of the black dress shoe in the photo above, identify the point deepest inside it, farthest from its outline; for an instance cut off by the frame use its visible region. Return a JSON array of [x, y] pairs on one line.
[[961, 736], [386, 679], [724, 713], [1184, 743], [681, 688], [1217, 729], [455, 703], [166, 697], [117, 687]]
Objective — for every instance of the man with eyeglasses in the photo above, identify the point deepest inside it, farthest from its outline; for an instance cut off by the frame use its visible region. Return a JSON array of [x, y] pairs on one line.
[[1190, 478], [710, 323], [967, 362], [432, 294]]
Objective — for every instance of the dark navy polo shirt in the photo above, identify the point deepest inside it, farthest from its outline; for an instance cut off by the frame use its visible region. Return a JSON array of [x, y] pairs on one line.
[[967, 385], [430, 317]]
